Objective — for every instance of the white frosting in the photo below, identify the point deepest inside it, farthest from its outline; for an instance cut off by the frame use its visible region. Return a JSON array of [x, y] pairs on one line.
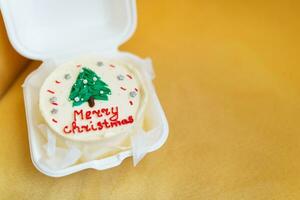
[[121, 111]]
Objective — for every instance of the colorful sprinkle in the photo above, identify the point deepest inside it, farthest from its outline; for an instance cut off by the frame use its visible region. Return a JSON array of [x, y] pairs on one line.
[[79, 65], [112, 66], [57, 82], [54, 120], [136, 89], [54, 103], [129, 76], [50, 91], [123, 88], [131, 103]]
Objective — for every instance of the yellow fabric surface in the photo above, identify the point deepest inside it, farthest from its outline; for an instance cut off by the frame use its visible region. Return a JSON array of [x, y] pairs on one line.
[[11, 63], [228, 78]]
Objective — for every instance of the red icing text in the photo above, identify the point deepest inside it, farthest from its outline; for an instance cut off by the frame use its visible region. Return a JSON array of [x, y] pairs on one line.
[[96, 120]]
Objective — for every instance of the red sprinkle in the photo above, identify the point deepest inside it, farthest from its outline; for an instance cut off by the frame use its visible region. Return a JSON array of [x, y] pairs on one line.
[[129, 76], [136, 89], [51, 91], [54, 120], [79, 65], [131, 103], [112, 66], [123, 88], [54, 103], [57, 82]]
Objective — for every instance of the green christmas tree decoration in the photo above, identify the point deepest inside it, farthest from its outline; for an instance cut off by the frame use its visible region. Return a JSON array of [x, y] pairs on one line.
[[88, 87]]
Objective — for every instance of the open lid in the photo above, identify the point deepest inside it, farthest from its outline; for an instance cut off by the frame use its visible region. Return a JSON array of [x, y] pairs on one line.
[[53, 28]]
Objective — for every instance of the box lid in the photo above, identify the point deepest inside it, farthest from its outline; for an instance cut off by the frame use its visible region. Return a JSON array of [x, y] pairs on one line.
[[53, 28]]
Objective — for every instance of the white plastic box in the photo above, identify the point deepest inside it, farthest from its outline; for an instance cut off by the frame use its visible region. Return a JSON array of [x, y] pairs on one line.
[[57, 30]]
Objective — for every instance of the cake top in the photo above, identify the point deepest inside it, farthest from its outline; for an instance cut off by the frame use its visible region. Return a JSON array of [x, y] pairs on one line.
[[92, 99]]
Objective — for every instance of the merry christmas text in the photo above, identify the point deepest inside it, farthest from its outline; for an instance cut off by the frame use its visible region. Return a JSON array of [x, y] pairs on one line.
[[110, 115]]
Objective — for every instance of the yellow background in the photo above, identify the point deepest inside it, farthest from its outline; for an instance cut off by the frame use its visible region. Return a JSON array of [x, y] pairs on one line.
[[228, 78]]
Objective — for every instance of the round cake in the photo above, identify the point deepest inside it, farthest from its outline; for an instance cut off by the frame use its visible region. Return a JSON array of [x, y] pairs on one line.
[[92, 99]]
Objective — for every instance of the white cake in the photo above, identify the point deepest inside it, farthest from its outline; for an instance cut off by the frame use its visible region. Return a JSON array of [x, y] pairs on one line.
[[92, 99]]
